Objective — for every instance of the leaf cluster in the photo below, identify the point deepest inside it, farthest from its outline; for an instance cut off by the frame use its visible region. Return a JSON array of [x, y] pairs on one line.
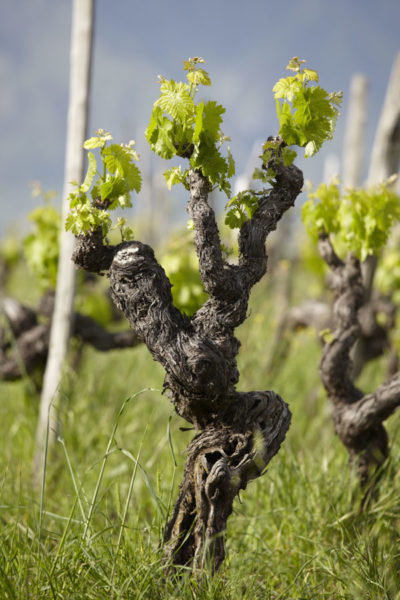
[[307, 114], [41, 252], [387, 276], [10, 251], [359, 222], [105, 189], [320, 212], [181, 127], [241, 208], [41, 246]]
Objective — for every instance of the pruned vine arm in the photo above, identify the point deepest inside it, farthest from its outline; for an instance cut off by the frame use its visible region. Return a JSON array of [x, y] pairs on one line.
[[379, 405], [336, 365], [91, 254], [214, 271], [91, 332], [328, 253], [271, 208]]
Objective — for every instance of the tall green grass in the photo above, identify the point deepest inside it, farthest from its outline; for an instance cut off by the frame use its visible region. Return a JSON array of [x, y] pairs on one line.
[[96, 532]]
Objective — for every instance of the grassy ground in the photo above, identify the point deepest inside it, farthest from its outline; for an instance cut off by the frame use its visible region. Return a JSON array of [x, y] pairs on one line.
[[95, 530]]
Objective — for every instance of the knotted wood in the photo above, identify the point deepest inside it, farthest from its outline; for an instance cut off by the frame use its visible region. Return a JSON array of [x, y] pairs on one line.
[[238, 433], [358, 417]]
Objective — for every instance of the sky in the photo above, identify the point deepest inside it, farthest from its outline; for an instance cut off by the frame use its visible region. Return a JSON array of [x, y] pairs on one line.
[[246, 46]]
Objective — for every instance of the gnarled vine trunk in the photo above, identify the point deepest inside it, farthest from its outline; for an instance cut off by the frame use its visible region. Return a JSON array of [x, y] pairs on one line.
[[238, 432], [358, 417]]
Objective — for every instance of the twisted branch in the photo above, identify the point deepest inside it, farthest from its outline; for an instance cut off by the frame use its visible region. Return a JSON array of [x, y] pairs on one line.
[[239, 432], [358, 417]]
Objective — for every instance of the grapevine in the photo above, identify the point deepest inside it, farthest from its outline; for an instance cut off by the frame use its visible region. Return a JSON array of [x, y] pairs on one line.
[[360, 221], [108, 189]]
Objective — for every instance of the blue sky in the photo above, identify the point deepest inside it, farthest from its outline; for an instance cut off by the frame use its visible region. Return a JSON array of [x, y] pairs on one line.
[[246, 45]]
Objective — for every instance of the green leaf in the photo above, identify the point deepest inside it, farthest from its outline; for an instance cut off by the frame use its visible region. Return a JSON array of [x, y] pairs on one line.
[[160, 134], [124, 201], [198, 126], [194, 132], [150, 132], [270, 150], [77, 198], [336, 98], [311, 75], [121, 175], [208, 158], [288, 156], [360, 222], [176, 101], [199, 77], [191, 63], [212, 119], [119, 160], [231, 164], [41, 246], [97, 141], [113, 188], [259, 174], [70, 223], [264, 175], [315, 115], [174, 176], [234, 218], [95, 191], [287, 88], [241, 208], [133, 178], [320, 214], [288, 130], [307, 113], [295, 64], [310, 149], [91, 172], [125, 231], [367, 217]]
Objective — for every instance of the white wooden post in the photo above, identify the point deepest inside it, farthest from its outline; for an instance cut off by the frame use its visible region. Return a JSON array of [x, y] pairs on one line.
[[80, 68], [354, 139]]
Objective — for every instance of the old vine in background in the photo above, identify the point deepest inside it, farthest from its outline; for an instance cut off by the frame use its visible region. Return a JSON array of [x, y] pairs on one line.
[[347, 230]]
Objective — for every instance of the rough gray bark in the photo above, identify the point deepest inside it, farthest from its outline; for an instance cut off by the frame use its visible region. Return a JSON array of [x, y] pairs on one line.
[[238, 432], [358, 418], [374, 335]]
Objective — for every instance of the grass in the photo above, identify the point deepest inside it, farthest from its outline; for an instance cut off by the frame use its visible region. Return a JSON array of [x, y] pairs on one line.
[[96, 533]]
